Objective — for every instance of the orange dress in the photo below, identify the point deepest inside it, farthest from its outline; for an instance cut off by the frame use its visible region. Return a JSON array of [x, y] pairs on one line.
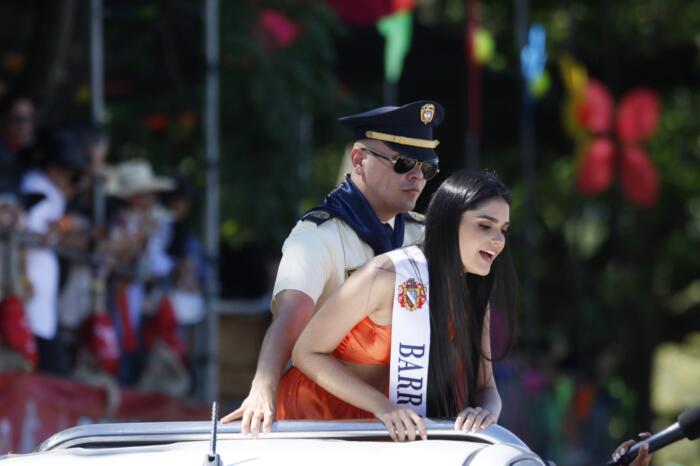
[[301, 398]]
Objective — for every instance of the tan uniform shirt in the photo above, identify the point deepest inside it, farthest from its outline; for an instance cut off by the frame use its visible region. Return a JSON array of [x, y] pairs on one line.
[[316, 259]]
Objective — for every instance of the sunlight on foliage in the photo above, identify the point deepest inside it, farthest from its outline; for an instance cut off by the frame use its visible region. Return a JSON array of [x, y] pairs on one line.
[[676, 375], [675, 388]]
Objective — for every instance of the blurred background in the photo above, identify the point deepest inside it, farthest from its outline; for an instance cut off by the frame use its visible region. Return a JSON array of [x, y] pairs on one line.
[[225, 113]]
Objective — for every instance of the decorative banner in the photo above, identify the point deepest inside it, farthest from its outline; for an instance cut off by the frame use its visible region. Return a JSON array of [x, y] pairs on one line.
[[609, 142], [35, 406], [575, 78], [397, 30], [533, 58], [474, 89], [361, 13]]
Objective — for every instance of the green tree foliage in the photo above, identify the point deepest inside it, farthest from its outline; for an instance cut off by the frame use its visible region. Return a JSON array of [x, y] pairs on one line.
[[278, 112], [278, 104], [613, 281]]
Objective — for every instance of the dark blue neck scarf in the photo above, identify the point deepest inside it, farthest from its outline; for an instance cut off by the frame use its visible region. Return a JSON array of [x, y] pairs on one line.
[[349, 204]]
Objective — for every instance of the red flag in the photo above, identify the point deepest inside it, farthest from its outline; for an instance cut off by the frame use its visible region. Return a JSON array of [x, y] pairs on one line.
[[15, 331], [163, 326], [129, 340], [402, 5], [101, 341]]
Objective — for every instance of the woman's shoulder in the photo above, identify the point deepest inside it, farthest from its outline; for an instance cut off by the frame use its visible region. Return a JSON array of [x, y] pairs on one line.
[[382, 262], [393, 262], [379, 269]]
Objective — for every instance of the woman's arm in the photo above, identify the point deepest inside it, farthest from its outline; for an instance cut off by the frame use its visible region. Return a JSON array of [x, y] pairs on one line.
[[488, 401], [368, 292]]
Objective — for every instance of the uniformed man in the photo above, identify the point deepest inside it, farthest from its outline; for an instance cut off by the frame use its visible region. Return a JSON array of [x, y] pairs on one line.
[[392, 157]]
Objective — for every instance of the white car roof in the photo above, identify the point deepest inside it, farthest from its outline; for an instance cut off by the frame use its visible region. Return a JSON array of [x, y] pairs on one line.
[[290, 443]]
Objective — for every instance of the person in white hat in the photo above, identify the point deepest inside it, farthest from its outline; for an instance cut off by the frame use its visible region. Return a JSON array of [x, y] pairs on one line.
[[139, 239], [135, 183]]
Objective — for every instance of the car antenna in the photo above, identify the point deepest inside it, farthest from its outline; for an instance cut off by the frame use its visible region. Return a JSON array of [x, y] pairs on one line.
[[212, 458]]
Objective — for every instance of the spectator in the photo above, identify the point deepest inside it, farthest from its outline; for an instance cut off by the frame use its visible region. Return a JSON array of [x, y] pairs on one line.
[[139, 240], [62, 168], [168, 328], [16, 137], [185, 250], [76, 297], [94, 142]]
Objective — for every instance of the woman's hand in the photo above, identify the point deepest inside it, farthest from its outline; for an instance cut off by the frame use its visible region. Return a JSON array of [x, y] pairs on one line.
[[474, 419], [401, 423], [643, 458]]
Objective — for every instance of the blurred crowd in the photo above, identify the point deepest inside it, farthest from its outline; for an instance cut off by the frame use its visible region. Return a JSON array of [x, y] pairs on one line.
[[100, 273]]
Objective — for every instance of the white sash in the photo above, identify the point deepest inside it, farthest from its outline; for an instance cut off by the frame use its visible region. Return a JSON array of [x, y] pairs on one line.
[[410, 330]]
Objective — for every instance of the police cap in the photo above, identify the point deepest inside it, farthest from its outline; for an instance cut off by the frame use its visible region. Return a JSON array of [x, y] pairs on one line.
[[407, 129]]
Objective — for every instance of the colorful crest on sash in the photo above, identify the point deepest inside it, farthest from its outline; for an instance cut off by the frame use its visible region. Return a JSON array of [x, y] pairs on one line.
[[411, 295]]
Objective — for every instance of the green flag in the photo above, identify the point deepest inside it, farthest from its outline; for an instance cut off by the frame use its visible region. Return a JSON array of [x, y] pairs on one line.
[[397, 30]]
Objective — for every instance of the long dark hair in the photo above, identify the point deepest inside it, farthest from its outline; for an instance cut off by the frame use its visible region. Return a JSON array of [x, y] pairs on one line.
[[458, 301]]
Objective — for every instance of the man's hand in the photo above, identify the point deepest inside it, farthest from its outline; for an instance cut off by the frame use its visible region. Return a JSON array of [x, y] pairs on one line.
[[293, 311], [257, 408]]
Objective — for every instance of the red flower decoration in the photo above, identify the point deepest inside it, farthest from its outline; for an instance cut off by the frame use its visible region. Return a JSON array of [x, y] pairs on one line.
[[156, 121], [595, 173], [276, 30], [187, 119], [595, 112], [117, 87], [636, 120]]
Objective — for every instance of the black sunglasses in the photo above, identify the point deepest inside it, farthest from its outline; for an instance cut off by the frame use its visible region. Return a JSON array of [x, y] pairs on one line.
[[403, 164]]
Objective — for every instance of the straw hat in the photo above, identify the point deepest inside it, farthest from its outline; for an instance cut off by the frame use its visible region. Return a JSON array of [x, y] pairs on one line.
[[137, 177]]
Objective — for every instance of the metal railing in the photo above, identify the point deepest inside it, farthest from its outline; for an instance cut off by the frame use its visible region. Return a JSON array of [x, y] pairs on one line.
[[151, 433]]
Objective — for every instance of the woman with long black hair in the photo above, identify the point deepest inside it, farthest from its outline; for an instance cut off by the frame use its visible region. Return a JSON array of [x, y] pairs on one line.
[[424, 311]]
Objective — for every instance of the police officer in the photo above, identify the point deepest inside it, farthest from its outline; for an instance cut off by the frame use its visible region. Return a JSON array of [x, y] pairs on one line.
[[392, 157]]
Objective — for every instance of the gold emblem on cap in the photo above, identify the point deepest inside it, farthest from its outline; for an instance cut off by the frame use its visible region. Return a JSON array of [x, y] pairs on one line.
[[427, 112]]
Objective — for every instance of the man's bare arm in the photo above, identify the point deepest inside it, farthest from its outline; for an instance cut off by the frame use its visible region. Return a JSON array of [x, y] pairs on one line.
[[292, 310]]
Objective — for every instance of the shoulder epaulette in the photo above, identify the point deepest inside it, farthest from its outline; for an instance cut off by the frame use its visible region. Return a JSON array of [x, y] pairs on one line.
[[414, 217], [317, 216]]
